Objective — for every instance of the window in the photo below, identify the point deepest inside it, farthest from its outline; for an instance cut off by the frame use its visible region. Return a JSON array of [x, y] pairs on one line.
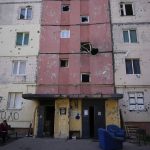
[[132, 66], [26, 13], [85, 47], [14, 100], [65, 34], [22, 38], [65, 7], [136, 100], [129, 36], [63, 63], [85, 77], [84, 19], [126, 9], [19, 67]]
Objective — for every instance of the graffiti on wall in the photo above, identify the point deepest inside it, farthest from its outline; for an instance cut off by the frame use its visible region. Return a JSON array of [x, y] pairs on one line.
[[9, 115]]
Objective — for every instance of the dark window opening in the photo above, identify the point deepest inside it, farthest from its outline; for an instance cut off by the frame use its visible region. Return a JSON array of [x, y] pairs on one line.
[[132, 66], [129, 66], [85, 78], [128, 8], [63, 63], [65, 7], [84, 19], [85, 47]]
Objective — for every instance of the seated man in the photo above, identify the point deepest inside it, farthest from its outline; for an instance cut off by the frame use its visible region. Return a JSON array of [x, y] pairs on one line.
[[4, 130]]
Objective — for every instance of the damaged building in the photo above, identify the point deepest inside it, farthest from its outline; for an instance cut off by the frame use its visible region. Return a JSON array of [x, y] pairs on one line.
[[66, 64]]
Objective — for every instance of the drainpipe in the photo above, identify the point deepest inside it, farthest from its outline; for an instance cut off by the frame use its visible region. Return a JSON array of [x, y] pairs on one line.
[[113, 61]]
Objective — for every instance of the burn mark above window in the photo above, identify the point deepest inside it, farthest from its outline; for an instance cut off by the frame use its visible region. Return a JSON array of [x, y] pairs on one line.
[[65, 7]]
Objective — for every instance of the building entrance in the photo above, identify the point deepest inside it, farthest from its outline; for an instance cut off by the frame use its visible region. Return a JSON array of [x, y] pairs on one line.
[[49, 121]]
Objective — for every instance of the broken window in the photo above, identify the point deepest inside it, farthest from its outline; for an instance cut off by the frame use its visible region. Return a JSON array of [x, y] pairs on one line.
[[130, 36], [22, 38], [126, 9], [26, 13], [85, 77], [85, 47], [65, 7], [84, 19], [132, 66], [136, 100], [64, 63], [14, 100], [65, 34]]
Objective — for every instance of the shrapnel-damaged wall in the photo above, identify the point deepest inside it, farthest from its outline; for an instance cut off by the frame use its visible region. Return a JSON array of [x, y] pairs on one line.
[[125, 83], [10, 24]]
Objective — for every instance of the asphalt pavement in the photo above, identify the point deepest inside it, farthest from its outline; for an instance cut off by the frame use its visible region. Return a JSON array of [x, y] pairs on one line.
[[30, 143]]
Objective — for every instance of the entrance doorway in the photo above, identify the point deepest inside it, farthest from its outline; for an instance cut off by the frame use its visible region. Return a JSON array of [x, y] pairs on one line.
[[93, 117], [91, 121], [49, 121]]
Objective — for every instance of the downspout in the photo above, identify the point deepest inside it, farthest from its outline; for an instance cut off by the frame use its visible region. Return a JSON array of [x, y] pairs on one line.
[[113, 59]]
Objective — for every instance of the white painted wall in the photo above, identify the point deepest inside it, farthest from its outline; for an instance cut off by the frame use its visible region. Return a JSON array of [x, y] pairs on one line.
[[140, 8], [135, 116], [9, 13], [9, 26], [8, 40], [129, 82]]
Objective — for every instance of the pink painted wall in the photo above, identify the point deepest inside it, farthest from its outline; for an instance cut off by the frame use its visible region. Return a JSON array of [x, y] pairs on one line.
[[54, 79]]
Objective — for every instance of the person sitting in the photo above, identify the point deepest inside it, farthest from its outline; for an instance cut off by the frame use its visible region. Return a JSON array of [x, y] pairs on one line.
[[4, 130]]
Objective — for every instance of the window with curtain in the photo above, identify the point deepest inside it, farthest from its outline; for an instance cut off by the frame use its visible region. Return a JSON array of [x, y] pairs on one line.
[[136, 100], [14, 100], [19, 67]]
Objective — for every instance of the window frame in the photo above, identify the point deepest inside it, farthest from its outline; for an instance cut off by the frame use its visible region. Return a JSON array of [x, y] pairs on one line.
[[18, 67], [67, 63], [64, 35], [13, 101], [22, 38], [129, 36], [133, 68], [26, 13], [85, 73], [124, 9], [136, 106]]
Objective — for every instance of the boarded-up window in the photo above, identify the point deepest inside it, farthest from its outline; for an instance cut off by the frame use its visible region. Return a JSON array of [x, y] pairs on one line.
[[136, 100]]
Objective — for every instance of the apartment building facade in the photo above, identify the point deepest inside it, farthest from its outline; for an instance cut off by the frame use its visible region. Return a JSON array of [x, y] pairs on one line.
[[19, 47], [75, 82], [131, 38]]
